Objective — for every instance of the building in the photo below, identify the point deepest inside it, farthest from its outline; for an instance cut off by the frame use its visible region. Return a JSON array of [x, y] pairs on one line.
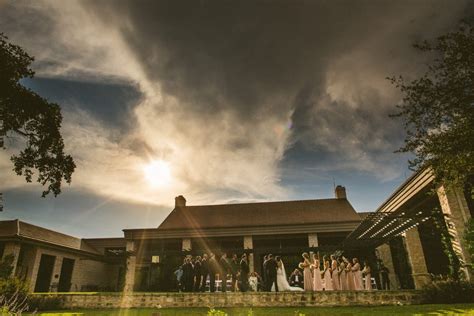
[[407, 230], [52, 261], [145, 259], [403, 234], [286, 228]]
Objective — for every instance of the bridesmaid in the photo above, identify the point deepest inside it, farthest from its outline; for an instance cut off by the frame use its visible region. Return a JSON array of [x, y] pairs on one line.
[[327, 277], [349, 276], [307, 277], [368, 280], [335, 274], [342, 275], [317, 281], [357, 275]]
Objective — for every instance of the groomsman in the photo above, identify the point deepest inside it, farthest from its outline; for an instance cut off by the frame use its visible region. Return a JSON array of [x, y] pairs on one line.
[[213, 269], [204, 271], [244, 274], [224, 270], [271, 269], [264, 273], [234, 267]]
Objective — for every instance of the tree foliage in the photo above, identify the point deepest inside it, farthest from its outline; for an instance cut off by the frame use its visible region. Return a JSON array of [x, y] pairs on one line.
[[469, 238], [438, 108], [25, 113]]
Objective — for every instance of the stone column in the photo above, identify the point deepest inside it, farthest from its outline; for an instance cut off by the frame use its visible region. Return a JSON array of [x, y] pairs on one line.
[[313, 240], [58, 261], [417, 258], [456, 214], [12, 248], [385, 254], [33, 268], [130, 267], [248, 245], [186, 244]]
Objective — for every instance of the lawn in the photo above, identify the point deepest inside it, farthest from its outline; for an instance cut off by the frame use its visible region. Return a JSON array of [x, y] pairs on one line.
[[454, 309]]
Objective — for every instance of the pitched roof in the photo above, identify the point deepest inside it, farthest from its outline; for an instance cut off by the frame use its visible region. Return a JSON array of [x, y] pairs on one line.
[[260, 214], [19, 229]]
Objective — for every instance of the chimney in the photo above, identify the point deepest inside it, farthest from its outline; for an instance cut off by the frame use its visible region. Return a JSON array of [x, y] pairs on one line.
[[340, 192], [179, 201]]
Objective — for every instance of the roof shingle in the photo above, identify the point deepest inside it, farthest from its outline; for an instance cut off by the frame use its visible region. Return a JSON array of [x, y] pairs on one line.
[[260, 214]]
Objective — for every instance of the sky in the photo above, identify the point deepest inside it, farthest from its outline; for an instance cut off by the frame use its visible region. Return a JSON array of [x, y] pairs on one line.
[[219, 101]]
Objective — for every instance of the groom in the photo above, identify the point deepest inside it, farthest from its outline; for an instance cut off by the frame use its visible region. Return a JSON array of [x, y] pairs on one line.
[[271, 271]]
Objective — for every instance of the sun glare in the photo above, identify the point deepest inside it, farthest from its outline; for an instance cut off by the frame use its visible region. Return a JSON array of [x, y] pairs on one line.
[[157, 173]]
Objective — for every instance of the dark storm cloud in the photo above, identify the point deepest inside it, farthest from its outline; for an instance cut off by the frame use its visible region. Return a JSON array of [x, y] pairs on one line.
[[277, 91], [260, 58]]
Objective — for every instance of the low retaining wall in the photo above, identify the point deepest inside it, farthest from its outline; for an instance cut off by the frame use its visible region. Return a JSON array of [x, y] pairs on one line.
[[249, 299]]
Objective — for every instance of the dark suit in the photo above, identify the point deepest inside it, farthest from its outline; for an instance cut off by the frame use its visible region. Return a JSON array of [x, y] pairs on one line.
[[294, 282], [188, 275], [271, 269], [197, 275], [205, 273], [213, 269], [264, 275], [224, 269], [244, 275]]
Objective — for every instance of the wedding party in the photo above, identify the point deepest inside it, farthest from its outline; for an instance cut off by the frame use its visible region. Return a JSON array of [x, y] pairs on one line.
[[208, 273]]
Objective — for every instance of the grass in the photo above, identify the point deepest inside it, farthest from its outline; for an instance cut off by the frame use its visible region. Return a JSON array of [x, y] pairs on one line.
[[452, 309]]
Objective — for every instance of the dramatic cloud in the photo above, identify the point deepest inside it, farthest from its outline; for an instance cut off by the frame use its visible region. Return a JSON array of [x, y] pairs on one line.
[[231, 92]]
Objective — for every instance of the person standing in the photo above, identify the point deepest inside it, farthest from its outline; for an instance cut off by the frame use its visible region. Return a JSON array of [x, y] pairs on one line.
[[384, 272], [307, 276], [197, 274], [213, 269], [328, 286], [336, 283], [342, 275], [357, 275], [349, 275], [367, 275], [316, 267], [264, 273], [223, 271], [234, 267], [204, 271], [188, 275], [271, 269], [179, 277], [244, 273]]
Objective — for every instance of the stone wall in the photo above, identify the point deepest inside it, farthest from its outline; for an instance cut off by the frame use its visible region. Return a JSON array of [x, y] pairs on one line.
[[91, 273], [250, 299]]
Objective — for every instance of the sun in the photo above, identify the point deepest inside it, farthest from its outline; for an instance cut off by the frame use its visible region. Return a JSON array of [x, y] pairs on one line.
[[157, 173]]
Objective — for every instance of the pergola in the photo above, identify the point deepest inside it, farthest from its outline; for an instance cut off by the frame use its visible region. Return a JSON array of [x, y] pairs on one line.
[[398, 214]]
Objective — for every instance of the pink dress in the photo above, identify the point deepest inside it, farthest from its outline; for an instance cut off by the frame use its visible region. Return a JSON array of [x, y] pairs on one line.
[[350, 277], [357, 275], [307, 277], [317, 280], [335, 276], [328, 280], [368, 280], [342, 277]]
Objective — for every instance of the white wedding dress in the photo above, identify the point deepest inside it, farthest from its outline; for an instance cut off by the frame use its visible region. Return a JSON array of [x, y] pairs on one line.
[[282, 281]]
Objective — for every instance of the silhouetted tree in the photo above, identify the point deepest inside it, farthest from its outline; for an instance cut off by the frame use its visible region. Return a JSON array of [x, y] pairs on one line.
[[25, 113], [438, 108]]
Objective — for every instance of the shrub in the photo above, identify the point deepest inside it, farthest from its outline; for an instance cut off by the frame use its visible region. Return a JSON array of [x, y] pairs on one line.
[[13, 295], [449, 291], [46, 302]]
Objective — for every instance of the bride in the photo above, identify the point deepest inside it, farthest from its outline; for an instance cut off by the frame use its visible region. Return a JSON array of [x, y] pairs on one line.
[[282, 281]]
